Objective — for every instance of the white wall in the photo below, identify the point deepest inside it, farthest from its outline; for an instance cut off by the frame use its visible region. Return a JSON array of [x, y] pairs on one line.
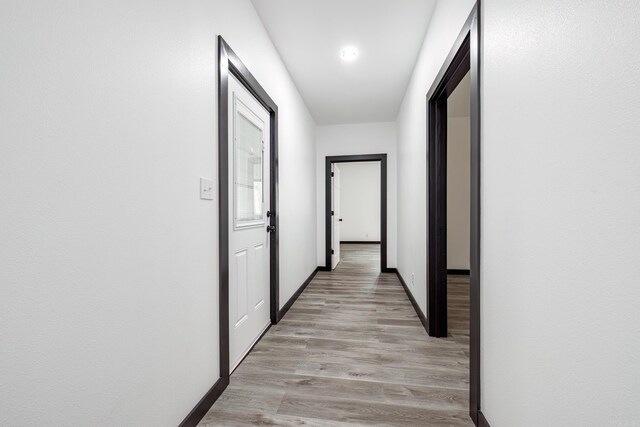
[[108, 285], [360, 201], [560, 204], [458, 191], [446, 22], [365, 138]]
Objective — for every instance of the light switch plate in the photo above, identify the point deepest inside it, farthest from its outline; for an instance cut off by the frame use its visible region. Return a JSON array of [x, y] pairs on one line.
[[206, 188]]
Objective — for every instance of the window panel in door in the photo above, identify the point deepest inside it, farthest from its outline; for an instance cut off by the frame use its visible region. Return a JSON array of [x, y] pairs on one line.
[[249, 166]]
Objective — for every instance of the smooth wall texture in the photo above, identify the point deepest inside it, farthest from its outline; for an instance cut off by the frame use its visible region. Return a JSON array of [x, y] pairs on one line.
[[560, 204], [367, 138], [458, 191], [360, 201], [109, 278], [446, 22]]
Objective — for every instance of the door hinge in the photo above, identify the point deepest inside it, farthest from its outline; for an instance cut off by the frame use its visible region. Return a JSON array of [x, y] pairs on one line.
[[331, 174], [332, 214], [332, 252]]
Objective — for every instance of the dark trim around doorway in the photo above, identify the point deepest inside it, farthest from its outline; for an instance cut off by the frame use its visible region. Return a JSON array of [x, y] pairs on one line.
[[230, 64], [455, 68], [463, 57], [382, 158]]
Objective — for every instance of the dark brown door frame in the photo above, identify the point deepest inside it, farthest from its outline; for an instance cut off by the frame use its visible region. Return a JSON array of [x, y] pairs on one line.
[[455, 70], [382, 158], [464, 57], [230, 64]]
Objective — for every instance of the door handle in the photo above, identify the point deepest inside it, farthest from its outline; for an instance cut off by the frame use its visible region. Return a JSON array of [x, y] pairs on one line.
[[340, 219], [271, 228]]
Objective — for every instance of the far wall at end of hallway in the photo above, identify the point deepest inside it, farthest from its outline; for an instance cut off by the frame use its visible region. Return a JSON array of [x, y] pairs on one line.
[[352, 139], [360, 201]]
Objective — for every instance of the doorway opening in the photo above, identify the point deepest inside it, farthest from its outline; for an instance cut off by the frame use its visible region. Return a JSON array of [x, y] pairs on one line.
[[462, 62], [363, 168], [356, 214], [458, 153]]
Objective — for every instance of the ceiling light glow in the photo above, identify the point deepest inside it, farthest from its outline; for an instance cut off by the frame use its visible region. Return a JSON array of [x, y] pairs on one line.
[[349, 53]]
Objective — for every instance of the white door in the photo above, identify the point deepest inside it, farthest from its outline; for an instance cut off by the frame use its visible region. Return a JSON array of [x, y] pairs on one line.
[[335, 219], [249, 172]]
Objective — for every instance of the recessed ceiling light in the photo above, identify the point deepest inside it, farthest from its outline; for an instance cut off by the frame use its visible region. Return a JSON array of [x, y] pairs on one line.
[[349, 53]]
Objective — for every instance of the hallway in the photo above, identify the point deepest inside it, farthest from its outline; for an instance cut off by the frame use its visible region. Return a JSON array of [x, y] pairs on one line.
[[352, 350]]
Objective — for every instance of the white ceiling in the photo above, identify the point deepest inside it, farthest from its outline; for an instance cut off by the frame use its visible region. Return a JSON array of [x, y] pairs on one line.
[[309, 35]]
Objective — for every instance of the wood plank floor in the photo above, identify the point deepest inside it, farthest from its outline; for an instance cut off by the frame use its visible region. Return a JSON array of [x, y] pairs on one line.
[[351, 351]]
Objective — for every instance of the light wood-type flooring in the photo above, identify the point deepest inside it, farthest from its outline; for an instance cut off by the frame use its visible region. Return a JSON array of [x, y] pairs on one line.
[[352, 351]]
